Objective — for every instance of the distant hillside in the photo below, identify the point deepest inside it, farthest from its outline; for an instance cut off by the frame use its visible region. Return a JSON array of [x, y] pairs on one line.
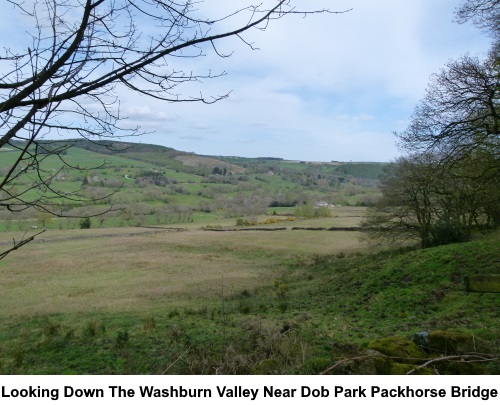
[[166, 157], [362, 170], [114, 147], [153, 185]]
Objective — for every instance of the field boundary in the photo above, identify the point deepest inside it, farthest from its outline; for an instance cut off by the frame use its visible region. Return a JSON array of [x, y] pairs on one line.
[[295, 228], [80, 237]]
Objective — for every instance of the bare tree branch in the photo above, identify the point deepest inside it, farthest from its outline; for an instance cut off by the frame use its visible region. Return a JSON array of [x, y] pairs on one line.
[[19, 244], [81, 53], [468, 358]]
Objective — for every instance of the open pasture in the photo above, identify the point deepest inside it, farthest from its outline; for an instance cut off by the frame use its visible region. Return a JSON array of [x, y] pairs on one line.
[[143, 270], [155, 301]]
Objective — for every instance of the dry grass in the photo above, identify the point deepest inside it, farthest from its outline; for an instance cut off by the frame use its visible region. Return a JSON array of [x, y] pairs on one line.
[[126, 269]]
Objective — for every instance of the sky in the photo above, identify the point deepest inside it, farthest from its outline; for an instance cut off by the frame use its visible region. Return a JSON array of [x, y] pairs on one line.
[[329, 87]]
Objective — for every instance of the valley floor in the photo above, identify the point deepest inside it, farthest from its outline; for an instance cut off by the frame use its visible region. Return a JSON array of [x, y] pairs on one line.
[[143, 300]]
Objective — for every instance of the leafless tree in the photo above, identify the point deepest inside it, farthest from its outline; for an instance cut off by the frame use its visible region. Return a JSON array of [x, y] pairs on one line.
[[65, 79], [483, 13], [435, 203], [460, 112], [457, 125], [405, 212]]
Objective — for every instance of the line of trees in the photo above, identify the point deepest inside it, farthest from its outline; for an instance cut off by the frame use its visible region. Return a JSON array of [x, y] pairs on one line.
[[448, 182], [436, 203]]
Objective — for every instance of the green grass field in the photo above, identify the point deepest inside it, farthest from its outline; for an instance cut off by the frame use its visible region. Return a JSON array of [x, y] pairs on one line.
[[171, 282], [142, 300], [75, 269], [148, 184]]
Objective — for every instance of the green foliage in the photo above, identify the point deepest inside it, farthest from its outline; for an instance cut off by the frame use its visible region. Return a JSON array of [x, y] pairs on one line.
[[281, 294], [44, 219], [122, 337], [362, 170], [309, 211], [85, 223], [304, 211], [124, 175], [242, 222], [149, 324], [445, 231], [322, 212]]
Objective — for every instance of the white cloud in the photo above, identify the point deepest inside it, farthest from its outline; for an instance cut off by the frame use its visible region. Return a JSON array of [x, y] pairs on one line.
[[147, 112], [327, 87], [358, 117], [192, 137], [258, 124], [202, 126]]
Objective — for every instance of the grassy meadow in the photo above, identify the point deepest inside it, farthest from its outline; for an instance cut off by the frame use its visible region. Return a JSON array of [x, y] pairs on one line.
[[190, 272], [195, 301], [138, 269]]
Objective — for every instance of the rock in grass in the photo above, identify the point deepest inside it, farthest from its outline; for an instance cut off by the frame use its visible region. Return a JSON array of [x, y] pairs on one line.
[[398, 347]]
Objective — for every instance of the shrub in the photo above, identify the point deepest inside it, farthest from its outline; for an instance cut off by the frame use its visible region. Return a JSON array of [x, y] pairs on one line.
[[242, 222], [446, 232], [322, 212], [85, 223], [281, 292], [149, 324], [122, 337]]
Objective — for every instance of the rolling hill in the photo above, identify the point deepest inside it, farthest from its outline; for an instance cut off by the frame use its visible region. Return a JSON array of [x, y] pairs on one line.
[[150, 184]]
